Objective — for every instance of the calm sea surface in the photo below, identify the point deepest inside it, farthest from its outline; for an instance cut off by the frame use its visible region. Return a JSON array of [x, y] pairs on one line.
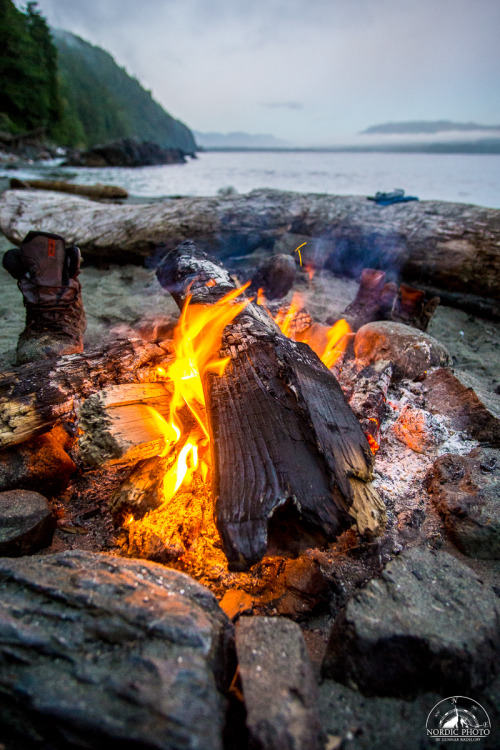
[[466, 178]]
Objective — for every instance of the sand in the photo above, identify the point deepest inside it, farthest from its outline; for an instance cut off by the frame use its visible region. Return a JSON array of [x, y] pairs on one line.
[[125, 299]]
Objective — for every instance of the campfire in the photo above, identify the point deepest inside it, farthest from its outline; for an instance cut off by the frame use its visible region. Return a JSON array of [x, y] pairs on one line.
[[256, 415]]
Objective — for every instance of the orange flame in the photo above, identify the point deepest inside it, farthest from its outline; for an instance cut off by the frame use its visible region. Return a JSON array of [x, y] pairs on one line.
[[337, 342], [329, 346], [197, 338], [286, 322]]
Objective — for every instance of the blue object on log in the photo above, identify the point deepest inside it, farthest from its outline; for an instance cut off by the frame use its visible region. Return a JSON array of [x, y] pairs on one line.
[[396, 196]]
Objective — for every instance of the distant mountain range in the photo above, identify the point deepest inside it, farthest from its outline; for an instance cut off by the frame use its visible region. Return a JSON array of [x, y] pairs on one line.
[[419, 127], [104, 103], [238, 140]]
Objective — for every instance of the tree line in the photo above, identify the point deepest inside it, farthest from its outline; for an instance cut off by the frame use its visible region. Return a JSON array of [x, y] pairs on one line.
[[73, 90]]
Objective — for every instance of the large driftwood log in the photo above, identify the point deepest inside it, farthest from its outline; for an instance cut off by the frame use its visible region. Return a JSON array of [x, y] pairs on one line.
[[449, 246], [34, 397], [284, 440]]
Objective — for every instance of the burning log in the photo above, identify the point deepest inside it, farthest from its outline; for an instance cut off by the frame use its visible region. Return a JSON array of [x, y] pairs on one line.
[[378, 299], [285, 444], [414, 307], [373, 300], [35, 396]]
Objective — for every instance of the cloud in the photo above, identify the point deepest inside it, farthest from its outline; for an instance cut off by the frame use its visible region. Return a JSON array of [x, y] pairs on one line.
[[283, 105], [306, 71]]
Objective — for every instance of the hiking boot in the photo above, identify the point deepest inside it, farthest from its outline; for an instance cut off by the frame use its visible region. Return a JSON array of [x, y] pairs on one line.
[[46, 272]]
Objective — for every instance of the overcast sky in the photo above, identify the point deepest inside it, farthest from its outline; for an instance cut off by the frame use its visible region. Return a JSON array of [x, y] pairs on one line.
[[308, 71]]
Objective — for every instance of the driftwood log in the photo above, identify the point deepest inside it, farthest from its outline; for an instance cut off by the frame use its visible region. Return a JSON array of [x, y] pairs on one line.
[[35, 396], [61, 186], [285, 444], [448, 246]]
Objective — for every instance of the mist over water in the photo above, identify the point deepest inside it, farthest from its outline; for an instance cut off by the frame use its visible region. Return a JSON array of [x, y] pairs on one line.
[[463, 178]]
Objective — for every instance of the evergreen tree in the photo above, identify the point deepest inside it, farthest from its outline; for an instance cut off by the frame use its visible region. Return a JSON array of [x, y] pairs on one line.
[[29, 88]]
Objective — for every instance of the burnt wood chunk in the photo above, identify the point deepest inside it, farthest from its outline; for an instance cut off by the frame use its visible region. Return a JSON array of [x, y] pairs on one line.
[[283, 437]]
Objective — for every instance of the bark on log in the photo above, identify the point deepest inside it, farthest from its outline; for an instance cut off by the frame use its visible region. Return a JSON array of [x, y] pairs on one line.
[[61, 186], [448, 246], [35, 396], [283, 437], [120, 424]]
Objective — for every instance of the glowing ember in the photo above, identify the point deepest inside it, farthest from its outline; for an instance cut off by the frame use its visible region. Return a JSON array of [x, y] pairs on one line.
[[197, 339], [372, 441]]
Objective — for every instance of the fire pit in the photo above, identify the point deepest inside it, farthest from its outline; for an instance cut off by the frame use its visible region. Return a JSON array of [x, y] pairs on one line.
[[313, 470]]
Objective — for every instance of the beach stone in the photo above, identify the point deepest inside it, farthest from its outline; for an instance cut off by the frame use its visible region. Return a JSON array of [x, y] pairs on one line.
[[275, 276], [38, 463], [99, 651], [428, 624], [278, 684], [26, 523], [412, 352], [466, 491], [470, 407]]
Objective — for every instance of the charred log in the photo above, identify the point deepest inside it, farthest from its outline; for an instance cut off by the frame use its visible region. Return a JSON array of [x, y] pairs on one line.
[[281, 429]]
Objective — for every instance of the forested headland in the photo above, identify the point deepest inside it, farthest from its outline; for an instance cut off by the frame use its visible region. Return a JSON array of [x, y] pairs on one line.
[[73, 91]]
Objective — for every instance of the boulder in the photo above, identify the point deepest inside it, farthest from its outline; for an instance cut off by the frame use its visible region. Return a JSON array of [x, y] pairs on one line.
[[26, 523], [428, 624], [278, 684], [466, 491], [126, 152], [97, 651], [411, 351]]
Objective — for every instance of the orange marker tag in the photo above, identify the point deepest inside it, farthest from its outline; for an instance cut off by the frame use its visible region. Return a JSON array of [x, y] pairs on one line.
[[52, 248]]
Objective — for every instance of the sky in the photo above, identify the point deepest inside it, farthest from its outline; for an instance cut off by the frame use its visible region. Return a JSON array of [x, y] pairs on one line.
[[311, 72]]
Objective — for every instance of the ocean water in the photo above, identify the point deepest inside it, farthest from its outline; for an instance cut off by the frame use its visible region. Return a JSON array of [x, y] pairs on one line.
[[464, 178]]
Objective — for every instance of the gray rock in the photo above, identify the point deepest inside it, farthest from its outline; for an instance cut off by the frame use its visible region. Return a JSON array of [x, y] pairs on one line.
[[26, 523], [428, 624], [97, 650], [411, 351], [466, 491], [278, 684], [351, 721]]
